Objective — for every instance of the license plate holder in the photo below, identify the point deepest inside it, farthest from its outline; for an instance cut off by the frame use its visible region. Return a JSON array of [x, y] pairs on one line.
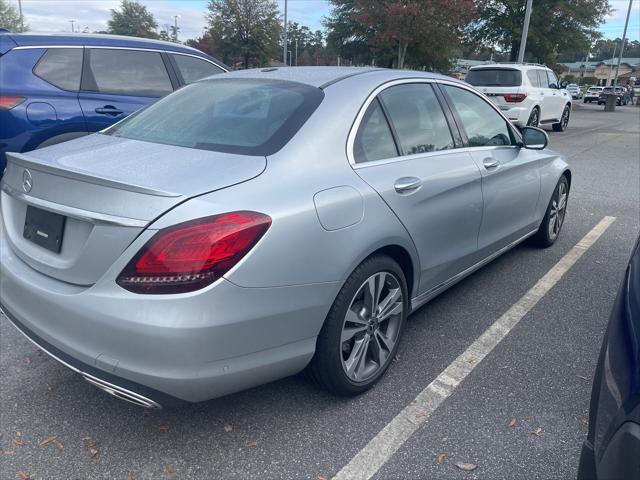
[[44, 228]]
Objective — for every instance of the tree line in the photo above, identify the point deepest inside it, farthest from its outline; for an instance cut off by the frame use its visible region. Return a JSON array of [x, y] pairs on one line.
[[418, 34]]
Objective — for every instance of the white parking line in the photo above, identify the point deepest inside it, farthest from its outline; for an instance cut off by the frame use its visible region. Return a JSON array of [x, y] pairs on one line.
[[380, 449]]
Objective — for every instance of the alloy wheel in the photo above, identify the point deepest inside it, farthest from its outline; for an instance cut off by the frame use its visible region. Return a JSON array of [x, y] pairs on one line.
[[558, 210], [533, 118], [371, 326], [565, 118]]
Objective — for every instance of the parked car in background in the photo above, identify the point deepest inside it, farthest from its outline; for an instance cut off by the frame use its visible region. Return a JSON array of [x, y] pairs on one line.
[[592, 94], [574, 90], [61, 86], [612, 447], [622, 95], [224, 237], [528, 94]]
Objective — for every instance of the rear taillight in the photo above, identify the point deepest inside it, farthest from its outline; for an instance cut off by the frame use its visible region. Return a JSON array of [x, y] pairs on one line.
[[514, 97], [192, 255], [8, 102]]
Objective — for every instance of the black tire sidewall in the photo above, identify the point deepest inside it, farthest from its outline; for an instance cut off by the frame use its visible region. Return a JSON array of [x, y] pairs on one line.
[[326, 365], [542, 237]]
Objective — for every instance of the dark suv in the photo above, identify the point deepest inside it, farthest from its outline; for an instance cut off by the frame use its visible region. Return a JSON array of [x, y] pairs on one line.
[[57, 87]]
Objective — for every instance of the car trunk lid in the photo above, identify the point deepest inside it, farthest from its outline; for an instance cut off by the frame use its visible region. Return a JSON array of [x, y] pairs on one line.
[[108, 190]]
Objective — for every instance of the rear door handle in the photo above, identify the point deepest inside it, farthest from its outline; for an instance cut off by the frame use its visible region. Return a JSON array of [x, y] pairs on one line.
[[407, 184], [490, 163], [108, 110]]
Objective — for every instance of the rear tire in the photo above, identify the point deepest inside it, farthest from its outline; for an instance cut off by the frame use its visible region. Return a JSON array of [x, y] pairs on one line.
[[553, 220], [355, 347], [534, 118]]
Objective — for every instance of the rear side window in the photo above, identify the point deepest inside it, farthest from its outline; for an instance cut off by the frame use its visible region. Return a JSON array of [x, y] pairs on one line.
[[543, 79], [374, 140], [126, 72], [244, 116], [483, 125], [494, 77], [61, 67], [418, 119], [532, 75], [193, 69]]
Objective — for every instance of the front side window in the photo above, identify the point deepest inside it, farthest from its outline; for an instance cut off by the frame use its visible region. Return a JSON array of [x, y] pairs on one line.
[[61, 67], [374, 140], [483, 125], [418, 119], [553, 81], [244, 116], [193, 69], [127, 72]]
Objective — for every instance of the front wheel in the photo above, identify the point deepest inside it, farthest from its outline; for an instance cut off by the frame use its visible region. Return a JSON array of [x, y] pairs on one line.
[[554, 217], [561, 126], [361, 333]]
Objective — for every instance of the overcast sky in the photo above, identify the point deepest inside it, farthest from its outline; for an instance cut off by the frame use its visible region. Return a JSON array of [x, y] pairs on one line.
[[55, 15]]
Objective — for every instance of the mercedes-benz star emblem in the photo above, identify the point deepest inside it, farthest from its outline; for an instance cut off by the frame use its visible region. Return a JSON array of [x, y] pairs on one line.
[[27, 181]]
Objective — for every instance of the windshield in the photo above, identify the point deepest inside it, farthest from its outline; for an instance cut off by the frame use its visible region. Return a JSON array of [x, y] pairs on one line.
[[245, 116], [494, 77]]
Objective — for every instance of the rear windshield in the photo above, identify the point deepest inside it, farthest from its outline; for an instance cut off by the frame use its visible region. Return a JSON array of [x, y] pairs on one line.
[[494, 77], [244, 116]]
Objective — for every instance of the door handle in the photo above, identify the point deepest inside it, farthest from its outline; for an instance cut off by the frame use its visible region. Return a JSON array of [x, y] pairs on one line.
[[490, 163], [407, 184], [108, 110]]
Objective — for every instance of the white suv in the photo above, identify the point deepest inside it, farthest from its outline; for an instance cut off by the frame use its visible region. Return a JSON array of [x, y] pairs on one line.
[[528, 94]]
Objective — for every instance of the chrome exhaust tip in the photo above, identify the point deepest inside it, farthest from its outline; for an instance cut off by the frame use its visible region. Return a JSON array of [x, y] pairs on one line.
[[121, 393]]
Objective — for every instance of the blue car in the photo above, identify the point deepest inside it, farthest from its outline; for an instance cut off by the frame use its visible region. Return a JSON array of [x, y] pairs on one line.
[[612, 447], [57, 87]]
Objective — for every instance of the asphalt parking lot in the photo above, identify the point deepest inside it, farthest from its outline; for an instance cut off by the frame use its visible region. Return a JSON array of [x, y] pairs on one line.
[[521, 411]]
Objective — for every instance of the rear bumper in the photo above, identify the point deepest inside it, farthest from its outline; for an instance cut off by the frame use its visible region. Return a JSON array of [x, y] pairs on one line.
[[517, 114], [167, 348]]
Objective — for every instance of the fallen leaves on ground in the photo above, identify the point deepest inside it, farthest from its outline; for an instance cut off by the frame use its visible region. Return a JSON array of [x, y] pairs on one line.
[[227, 428], [17, 442], [467, 467], [22, 475], [537, 432], [422, 413], [584, 377], [60, 446], [322, 477], [7, 452], [444, 439], [164, 427], [130, 476], [440, 457], [513, 422], [47, 440], [56, 372], [584, 419], [170, 470], [27, 360], [252, 444], [91, 445]]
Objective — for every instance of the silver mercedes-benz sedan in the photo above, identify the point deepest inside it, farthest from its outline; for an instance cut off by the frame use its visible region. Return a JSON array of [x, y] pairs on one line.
[[255, 224]]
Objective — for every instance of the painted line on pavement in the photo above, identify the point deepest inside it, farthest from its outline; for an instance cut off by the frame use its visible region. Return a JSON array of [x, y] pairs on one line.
[[381, 448]]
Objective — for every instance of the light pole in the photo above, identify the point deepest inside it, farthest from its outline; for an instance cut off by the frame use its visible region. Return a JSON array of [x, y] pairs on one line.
[[21, 17], [72, 23], [624, 38], [284, 41], [296, 52], [525, 31]]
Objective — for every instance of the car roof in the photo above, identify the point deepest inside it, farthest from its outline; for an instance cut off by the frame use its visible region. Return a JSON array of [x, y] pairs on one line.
[[323, 77], [513, 66], [97, 39]]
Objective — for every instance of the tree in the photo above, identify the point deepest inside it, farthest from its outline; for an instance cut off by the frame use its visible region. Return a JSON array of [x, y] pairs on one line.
[[10, 18], [244, 31], [133, 19], [555, 26], [420, 33]]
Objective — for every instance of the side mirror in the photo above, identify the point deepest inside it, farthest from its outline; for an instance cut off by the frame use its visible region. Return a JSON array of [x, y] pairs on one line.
[[534, 138]]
